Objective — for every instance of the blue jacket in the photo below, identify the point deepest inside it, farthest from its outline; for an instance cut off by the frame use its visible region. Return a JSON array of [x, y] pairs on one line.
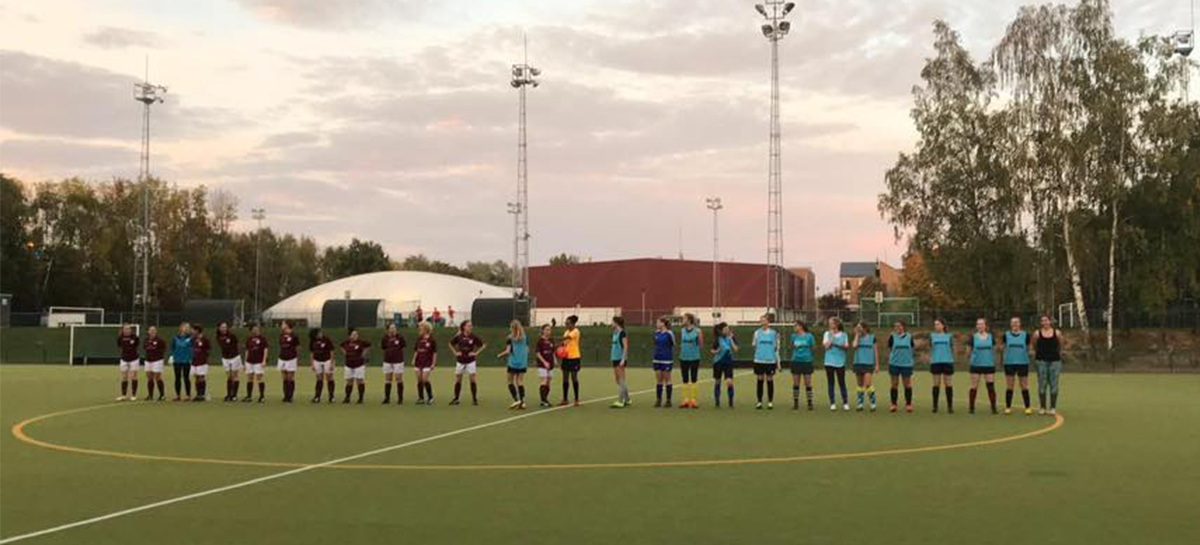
[[181, 348]]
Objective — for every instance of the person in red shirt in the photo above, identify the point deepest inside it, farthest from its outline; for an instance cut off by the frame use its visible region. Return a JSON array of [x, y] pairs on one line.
[[393, 365], [320, 349], [231, 359], [257, 350], [466, 347], [424, 360], [355, 351], [127, 342], [545, 361], [436, 317], [156, 349], [289, 353], [200, 349]]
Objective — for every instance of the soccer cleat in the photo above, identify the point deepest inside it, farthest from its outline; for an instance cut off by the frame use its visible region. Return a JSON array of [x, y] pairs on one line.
[[475, 402], [845, 406], [1041, 412], [872, 407], [120, 398], [810, 405], [454, 401], [617, 405], [950, 409], [908, 408], [386, 401], [1053, 412], [346, 401], [246, 399], [543, 404], [859, 407], [563, 403], [892, 409], [1028, 411], [971, 410], [176, 398], [770, 406], [1007, 411], [934, 411], [795, 404], [758, 405], [521, 406], [657, 403], [833, 406], [514, 405], [576, 402]]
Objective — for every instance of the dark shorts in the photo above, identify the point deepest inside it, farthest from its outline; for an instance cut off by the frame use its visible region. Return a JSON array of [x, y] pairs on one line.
[[897, 370], [689, 369], [802, 368], [765, 369], [1020, 370], [941, 368], [663, 367], [516, 370], [570, 365], [864, 368], [722, 369], [976, 370], [616, 363]]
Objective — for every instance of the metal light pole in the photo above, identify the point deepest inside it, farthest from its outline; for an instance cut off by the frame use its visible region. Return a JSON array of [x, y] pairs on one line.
[[148, 94], [259, 214], [714, 204], [774, 29], [514, 208], [523, 76], [1185, 42]]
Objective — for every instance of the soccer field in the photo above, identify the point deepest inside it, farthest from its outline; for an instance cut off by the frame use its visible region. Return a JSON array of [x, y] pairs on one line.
[[1121, 466]]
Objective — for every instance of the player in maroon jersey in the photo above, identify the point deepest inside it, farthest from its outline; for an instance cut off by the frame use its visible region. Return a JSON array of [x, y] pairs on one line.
[[424, 360], [289, 353], [257, 350], [127, 341], [545, 361], [231, 359], [393, 365], [466, 347], [200, 349], [320, 349], [156, 349], [355, 351]]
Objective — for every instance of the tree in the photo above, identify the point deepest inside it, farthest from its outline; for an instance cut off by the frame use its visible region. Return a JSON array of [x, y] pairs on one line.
[[359, 257], [831, 301], [564, 259], [496, 273], [17, 249], [868, 287]]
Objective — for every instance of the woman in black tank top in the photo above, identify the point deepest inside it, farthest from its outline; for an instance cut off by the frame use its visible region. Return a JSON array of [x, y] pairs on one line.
[[1048, 355]]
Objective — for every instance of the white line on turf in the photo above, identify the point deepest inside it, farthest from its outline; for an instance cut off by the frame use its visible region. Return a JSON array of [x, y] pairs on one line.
[[290, 472]]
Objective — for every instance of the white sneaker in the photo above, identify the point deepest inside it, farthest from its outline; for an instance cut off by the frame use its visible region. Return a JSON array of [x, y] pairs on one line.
[[120, 398], [845, 406], [833, 406], [1041, 411], [1053, 412]]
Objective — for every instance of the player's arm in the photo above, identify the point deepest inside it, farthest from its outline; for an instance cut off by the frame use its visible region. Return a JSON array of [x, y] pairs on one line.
[[507, 349], [876, 348], [624, 348]]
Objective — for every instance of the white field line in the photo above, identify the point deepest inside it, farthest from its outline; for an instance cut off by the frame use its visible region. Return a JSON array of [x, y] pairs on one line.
[[298, 470]]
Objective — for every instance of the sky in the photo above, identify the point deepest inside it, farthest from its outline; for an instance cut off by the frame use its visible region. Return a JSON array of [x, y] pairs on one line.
[[394, 120]]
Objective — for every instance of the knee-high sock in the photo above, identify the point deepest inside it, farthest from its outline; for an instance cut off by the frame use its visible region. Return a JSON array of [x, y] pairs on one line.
[[262, 389], [544, 391], [1025, 396], [228, 387], [759, 390], [908, 395], [387, 392], [871, 393], [716, 393], [400, 391], [669, 388], [937, 392], [575, 385], [320, 386], [133, 387], [237, 385], [162, 388], [894, 393], [808, 394], [658, 391], [512, 391], [729, 392], [771, 391], [950, 397], [124, 387], [971, 397], [362, 389], [566, 386], [149, 388], [329, 387], [991, 389], [457, 389], [521, 392], [624, 390], [349, 391], [474, 391], [858, 394], [796, 393], [249, 388], [1008, 395]]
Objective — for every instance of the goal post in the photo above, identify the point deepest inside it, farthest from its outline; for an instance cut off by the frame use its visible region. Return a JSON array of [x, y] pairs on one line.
[[883, 311], [96, 342], [60, 316]]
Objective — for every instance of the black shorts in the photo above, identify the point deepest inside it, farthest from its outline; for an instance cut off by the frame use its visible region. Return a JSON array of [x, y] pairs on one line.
[[975, 370], [516, 370], [616, 363], [941, 368], [722, 370], [864, 368], [802, 368], [1020, 370], [570, 365], [690, 370], [765, 368]]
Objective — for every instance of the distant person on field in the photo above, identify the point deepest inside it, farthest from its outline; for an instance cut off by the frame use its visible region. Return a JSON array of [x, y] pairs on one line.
[[424, 360], [450, 314], [128, 343], [517, 350], [289, 354], [201, 346], [724, 346], [231, 359], [257, 350], [355, 349], [1017, 343], [420, 314], [1048, 353], [691, 338], [436, 317], [837, 344], [663, 360], [900, 365], [766, 360], [619, 354], [181, 361], [866, 364], [320, 349], [983, 363], [155, 348], [941, 363], [803, 343], [466, 347], [571, 357], [545, 360], [393, 346]]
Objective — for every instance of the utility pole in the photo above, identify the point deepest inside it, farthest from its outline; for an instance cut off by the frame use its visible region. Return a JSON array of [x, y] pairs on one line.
[[148, 94]]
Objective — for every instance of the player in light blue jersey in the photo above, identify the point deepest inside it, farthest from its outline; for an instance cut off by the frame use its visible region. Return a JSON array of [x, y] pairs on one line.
[[619, 354], [836, 343], [982, 363], [766, 360], [517, 350], [803, 344], [866, 363], [900, 365], [664, 360], [1017, 343], [941, 363], [691, 338], [723, 348]]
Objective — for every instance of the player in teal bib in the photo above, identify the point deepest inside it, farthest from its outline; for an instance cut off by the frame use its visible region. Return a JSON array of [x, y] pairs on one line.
[[941, 363], [836, 344], [690, 339], [1016, 364], [983, 363], [619, 354], [866, 364], [724, 346], [517, 349], [900, 365], [766, 360], [802, 363]]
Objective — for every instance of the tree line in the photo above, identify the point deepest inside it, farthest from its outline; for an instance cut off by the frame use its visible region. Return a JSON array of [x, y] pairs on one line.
[[1065, 167], [72, 242]]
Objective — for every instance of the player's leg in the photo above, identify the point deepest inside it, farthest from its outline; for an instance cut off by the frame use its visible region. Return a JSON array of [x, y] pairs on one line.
[[388, 378], [575, 380], [1010, 377], [1023, 380], [908, 392], [1054, 374], [990, 380], [893, 392], [973, 393], [458, 372], [830, 386], [474, 385], [770, 380]]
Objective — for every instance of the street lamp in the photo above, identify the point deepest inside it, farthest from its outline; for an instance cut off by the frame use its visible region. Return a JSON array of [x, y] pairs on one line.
[[714, 204], [259, 214], [774, 29]]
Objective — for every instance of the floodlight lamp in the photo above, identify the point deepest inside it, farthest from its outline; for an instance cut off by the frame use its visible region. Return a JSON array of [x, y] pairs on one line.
[[759, 8], [1184, 42], [535, 71], [515, 83], [768, 30], [785, 26], [535, 83], [788, 7], [516, 71]]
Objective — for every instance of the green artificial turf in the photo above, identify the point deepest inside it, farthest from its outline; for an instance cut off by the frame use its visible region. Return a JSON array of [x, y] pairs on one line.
[[1121, 469]]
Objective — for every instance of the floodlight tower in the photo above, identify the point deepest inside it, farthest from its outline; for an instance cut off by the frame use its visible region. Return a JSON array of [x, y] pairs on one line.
[[148, 94], [774, 29], [714, 204], [1185, 42], [259, 214], [523, 76]]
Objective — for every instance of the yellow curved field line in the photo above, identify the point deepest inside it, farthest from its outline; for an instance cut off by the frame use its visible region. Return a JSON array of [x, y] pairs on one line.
[[18, 431]]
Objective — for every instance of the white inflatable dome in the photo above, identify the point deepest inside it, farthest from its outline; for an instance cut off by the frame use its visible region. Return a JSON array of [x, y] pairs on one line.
[[400, 291]]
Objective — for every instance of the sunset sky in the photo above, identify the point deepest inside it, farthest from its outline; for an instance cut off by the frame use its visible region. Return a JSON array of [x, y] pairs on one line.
[[394, 120]]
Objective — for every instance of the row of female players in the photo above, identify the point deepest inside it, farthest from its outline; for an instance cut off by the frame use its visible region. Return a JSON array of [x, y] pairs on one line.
[[189, 351], [1015, 347]]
